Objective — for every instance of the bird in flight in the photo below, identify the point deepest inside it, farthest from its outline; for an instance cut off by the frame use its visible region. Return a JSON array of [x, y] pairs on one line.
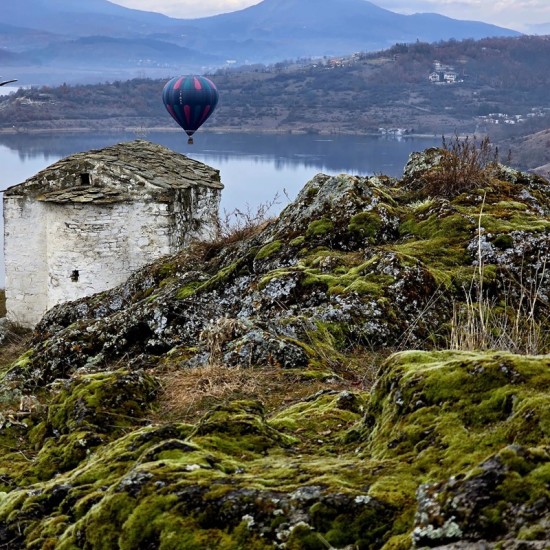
[[7, 82]]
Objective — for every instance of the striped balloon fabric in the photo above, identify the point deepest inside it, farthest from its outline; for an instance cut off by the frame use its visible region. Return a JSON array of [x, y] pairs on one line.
[[190, 100]]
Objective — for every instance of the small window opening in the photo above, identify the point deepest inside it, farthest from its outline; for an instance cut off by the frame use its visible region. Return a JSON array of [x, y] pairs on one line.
[[85, 179], [75, 275]]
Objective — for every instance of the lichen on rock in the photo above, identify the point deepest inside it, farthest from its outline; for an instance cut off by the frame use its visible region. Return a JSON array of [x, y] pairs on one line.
[[358, 280]]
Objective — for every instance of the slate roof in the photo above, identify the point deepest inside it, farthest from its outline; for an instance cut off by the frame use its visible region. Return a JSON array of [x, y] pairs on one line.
[[121, 172]]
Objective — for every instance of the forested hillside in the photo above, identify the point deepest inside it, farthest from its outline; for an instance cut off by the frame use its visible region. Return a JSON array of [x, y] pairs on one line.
[[501, 87]]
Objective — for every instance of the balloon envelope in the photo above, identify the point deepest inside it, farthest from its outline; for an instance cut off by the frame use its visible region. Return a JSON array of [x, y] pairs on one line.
[[190, 100]]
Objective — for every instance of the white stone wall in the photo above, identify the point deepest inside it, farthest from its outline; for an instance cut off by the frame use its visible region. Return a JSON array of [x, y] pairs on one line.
[[195, 215], [25, 245], [62, 250], [92, 248]]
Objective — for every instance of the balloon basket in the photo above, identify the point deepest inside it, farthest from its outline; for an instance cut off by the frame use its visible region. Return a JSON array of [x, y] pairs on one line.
[[190, 141]]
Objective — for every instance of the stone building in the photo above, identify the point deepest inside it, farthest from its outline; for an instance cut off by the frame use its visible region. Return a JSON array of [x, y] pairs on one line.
[[85, 223]]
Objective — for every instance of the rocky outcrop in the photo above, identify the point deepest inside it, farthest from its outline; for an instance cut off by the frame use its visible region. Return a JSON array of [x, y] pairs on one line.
[[448, 449], [88, 221]]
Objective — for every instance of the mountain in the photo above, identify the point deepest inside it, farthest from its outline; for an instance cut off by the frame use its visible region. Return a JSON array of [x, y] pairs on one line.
[[83, 18], [333, 27], [265, 33]]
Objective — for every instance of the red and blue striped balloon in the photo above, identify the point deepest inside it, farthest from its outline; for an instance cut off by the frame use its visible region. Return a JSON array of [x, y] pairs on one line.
[[190, 100]]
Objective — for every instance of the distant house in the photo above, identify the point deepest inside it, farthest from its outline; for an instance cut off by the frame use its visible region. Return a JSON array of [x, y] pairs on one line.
[[443, 74], [450, 76], [85, 223]]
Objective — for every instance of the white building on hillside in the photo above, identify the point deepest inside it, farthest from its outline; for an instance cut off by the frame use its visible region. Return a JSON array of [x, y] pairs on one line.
[[85, 223]]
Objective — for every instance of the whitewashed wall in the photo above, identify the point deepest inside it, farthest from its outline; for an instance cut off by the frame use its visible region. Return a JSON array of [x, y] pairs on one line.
[[61, 252], [92, 248], [195, 215], [25, 244]]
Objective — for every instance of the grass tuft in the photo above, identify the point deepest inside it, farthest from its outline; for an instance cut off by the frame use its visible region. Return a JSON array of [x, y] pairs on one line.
[[465, 164], [235, 227], [519, 325]]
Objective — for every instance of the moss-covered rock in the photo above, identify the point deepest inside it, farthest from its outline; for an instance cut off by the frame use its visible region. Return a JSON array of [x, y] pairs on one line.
[[448, 447], [507, 494], [345, 468]]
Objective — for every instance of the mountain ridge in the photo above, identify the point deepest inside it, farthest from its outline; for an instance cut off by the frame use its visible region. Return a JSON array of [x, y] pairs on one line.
[[264, 33]]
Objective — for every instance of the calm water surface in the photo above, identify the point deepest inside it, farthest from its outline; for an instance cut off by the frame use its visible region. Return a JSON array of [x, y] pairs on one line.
[[255, 168]]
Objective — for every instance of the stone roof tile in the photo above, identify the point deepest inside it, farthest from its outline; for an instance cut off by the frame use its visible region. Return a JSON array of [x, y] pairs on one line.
[[117, 173]]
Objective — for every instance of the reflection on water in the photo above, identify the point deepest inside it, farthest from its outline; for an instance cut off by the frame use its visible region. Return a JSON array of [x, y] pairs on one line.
[[254, 167], [357, 154]]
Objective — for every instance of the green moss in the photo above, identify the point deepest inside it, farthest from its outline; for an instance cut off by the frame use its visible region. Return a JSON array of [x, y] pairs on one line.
[[304, 537], [298, 241], [508, 216], [399, 542], [366, 528], [453, 225], [320, 418], [188, 290], [104, 402], [366, 225], [269, 249], [503, 242], [239, 429], [167, 269], [45, 535], [24, 361], [85, 413], [361, 279], [319, 228], [195, 287], [466, 403], [278, 274], [431, 415], [439, 255], [62, 454], [532, 533], [397, 487]]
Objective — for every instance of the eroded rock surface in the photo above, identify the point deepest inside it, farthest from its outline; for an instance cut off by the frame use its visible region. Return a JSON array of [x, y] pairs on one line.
[[449, 449]]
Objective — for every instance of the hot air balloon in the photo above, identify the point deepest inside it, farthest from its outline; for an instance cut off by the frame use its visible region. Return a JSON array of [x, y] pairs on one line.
[[190, 100]]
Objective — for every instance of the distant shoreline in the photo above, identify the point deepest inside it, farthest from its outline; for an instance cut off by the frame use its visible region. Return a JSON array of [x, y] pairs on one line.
[[218, 130]]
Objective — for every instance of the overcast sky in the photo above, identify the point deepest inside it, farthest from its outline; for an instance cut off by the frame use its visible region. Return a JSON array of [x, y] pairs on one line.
[[515, 14]]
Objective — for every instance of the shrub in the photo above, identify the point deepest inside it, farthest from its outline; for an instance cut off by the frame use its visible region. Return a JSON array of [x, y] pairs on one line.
[[464, 164]]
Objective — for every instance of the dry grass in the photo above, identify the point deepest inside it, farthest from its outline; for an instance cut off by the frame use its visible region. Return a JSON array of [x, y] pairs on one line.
[[17, 342], [17, 339], [520, 325], [189, 393], [2, 302], [235, 227], [465, 164], [217, 334]]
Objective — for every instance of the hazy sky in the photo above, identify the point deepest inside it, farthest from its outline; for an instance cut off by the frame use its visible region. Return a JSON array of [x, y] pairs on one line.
[[516, 14]]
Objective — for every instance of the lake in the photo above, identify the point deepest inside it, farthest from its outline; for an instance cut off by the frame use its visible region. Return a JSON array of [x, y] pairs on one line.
[[255, 168]]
